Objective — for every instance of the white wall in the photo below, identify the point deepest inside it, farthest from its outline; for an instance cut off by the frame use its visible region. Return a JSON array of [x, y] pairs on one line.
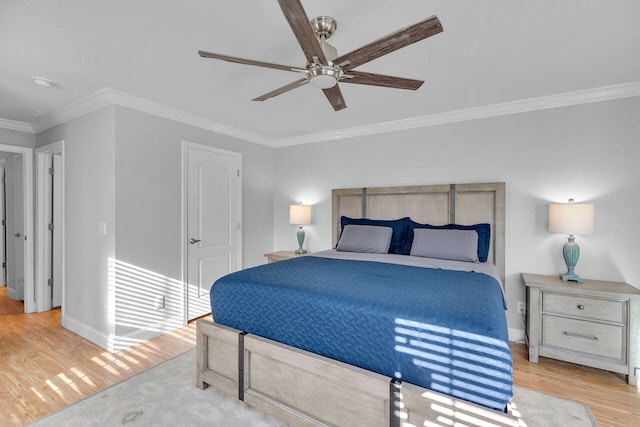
[[589, 152]]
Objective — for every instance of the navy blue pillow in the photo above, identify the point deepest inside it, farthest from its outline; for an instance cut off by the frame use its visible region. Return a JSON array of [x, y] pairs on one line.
[[483, 230], [400, 242]]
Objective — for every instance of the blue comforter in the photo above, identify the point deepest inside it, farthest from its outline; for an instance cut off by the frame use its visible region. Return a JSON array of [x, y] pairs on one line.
[[440, 329]]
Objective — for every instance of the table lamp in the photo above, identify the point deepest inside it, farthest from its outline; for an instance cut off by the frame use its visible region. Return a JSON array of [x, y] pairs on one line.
[[571, 218], [300, 215]]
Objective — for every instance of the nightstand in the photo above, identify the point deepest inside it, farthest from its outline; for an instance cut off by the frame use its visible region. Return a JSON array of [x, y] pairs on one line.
[[594, 323], [282, 255]]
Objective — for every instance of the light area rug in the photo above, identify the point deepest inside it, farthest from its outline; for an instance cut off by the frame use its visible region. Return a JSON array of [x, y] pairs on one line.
[[166, 395]]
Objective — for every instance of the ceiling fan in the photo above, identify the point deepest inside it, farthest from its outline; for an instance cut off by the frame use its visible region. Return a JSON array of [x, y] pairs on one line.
[[325, 68]]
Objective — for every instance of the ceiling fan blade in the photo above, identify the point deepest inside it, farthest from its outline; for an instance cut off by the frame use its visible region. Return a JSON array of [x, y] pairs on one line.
[[299, 23], [391, 42], [248, 61], [334, 95], [283, 89], [363, 78]]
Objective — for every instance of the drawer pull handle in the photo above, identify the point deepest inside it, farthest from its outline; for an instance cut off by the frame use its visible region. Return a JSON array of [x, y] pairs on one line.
[[586, 337], [580, 307]]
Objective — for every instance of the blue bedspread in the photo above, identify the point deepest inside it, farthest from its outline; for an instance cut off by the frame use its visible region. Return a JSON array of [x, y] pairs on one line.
[[440, 329]]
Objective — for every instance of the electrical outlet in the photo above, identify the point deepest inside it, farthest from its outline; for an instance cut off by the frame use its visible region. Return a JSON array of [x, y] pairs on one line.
[[522, 307], [158, 303]]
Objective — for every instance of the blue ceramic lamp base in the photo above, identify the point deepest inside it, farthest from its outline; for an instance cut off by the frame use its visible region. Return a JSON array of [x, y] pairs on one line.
[[300, 235], [571, 252]]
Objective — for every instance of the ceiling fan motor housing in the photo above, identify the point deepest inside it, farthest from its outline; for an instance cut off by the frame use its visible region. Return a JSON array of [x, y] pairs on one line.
[[324, 26]]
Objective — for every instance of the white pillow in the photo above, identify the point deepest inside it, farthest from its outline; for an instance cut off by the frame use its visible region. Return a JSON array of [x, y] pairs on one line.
[[365, 239], [456, 245]]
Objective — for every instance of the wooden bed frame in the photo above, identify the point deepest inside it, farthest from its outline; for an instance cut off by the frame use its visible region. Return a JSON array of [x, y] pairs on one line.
[[305, 389]]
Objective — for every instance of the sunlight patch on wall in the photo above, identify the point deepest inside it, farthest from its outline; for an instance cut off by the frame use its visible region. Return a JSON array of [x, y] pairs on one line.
[[142, 304]]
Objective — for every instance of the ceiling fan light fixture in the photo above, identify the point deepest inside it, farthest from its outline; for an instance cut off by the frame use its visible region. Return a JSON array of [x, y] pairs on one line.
[[323, 77]]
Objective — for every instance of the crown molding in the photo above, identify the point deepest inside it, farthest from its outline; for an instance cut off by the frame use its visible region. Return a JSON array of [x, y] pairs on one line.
[[107, 96], [605, 93], [16, 125], [72, 111]]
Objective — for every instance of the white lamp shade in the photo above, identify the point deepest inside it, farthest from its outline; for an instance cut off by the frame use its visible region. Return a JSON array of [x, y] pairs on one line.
[[299, 214], [571, 218]]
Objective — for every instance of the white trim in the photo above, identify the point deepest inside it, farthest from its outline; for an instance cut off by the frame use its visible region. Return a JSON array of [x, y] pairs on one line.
[[184, 232], [29, 290], [516, 335], [121, 342], [542, 103], [107, 96], [3, 239], [74, 110], [42, 154], [86, 332], [16, 125]]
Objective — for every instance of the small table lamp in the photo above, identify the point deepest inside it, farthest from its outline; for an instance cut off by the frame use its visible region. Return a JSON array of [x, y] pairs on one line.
[[571, 218], [300, 215]]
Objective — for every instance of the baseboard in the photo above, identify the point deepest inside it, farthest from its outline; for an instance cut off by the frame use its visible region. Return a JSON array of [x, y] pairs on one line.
[[86, 332], [114, 343], [12, 293], [516, 335], [121, 342]]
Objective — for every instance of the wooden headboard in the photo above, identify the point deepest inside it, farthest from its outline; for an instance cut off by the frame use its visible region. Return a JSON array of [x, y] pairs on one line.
[[434, 204]]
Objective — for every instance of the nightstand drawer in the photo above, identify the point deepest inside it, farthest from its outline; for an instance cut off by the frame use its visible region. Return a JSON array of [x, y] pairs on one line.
[[597, 339], [585, 307]]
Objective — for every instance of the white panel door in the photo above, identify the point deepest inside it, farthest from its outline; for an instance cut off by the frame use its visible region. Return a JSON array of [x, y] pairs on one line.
[[3, 229], [213, 223], [19, 236], [56, 244]]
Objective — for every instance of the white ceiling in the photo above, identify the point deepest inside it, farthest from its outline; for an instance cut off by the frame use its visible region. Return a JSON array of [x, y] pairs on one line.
[[491, 53]]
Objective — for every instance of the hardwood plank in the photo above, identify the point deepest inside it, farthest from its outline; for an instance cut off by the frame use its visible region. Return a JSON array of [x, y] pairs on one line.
[[44, 367], [613, 402]]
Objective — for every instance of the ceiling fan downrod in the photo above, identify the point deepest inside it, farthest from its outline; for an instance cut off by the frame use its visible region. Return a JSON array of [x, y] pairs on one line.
[[320, 75]]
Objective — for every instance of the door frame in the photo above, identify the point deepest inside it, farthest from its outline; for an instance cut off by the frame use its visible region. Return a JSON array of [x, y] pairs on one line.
[[184, 232], [27, 180], [43, 162], [3, 235]]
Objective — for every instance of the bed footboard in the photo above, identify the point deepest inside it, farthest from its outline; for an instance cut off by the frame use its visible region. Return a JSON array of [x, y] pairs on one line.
[[216, 356], [305, 389]]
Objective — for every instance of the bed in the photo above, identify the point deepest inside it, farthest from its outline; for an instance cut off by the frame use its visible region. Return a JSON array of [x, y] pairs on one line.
[[350, 338]]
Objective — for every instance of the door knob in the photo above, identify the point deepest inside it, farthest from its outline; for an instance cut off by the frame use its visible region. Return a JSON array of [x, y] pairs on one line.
[[194, 241]]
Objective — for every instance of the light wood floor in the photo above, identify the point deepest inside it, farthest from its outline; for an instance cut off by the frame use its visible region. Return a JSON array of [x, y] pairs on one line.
[[44, 367]]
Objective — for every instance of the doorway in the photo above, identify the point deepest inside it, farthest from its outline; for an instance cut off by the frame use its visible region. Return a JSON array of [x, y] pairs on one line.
[[212, 217], [19, 239], [3, 225], [50, 226]]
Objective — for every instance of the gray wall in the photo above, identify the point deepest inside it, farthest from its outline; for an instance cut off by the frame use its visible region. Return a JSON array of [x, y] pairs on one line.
[[123, 168], [89, 181], [14, 137], [149, 200], [589, 152]]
